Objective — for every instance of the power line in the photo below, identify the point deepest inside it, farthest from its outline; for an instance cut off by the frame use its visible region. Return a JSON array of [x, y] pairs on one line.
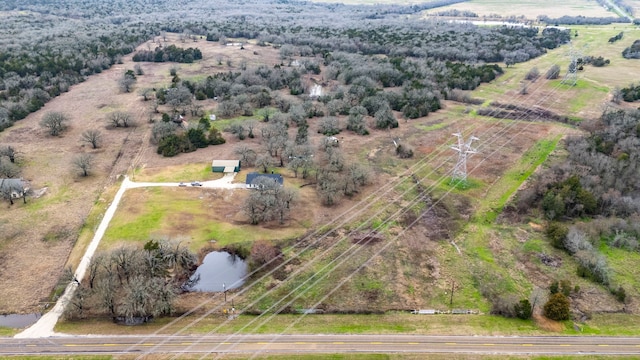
[[464, 150], [416, 167]]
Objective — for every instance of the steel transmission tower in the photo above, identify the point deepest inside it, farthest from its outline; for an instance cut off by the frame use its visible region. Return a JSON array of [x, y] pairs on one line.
[[464, 150], [571, 77]]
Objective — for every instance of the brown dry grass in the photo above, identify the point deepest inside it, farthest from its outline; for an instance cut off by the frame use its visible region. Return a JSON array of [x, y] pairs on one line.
[[28, 278], [530, 9]]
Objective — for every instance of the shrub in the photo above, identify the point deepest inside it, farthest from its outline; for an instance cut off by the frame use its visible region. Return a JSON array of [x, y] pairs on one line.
[[557, 308], [523, 309], [593, 266], [619, 293], [404, 151], [263, 253], [533, 74], [556, 233], [553, 72]]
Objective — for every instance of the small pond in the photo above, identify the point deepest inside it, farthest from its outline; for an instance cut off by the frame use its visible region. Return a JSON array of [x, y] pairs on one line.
[[18, 320], [219, 271]]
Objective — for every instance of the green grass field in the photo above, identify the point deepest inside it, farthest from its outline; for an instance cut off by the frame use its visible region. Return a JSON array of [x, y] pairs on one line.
[[188, 214]]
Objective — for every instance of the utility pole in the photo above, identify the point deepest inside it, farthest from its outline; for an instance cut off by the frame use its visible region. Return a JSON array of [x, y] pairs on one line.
[[464, 150], [453, 286], [224, 290]]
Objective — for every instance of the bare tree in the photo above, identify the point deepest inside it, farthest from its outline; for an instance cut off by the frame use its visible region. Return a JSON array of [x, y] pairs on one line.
[[146, 94], [264, 161], [54, 122], [120, 119], [356, 121], [162, 129], [178, 98], [93, 137], [268, 201], [138, 69], [246, 154], [9, 170], [329, 126], [125, 83], [236, 129], [532, 74], [263, 253], [10, 152], [250, 125], [616, 95], [328, 187], [84, 163]]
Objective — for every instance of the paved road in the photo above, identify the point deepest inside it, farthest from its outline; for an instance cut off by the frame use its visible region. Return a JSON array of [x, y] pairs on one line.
[[83, 345]]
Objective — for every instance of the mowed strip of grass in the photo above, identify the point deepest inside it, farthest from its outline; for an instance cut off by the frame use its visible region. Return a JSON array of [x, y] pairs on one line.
[[176, 173], [359, 356], [501, 191], [391, 323], [192, 214]]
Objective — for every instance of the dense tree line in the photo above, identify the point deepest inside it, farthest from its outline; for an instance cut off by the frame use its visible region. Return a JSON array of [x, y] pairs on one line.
[[50, 54], [170, 53], [598, 178], [597, 181], [457, 13], [60, 45], [582, 20]]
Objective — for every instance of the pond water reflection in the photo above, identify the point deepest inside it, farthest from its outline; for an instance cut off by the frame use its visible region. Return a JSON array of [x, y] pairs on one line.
[[18, 320], [219, 271]]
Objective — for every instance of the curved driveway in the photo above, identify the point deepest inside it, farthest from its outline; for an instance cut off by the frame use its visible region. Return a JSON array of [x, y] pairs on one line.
[[44, 326]]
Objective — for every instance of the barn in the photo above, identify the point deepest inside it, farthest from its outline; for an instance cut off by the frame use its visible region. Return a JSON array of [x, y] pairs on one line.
[[225, 166]]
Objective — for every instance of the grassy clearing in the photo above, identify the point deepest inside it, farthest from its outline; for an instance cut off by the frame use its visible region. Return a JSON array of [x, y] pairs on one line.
[[624, 265], [501, 191], [594, 83], [176, 173], [5, 331], [482, 259], [194, 214], [612, 325], [222, 124]]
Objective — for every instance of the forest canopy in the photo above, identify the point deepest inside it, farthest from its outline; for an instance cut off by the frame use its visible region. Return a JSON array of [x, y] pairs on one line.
[[60, 43]]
